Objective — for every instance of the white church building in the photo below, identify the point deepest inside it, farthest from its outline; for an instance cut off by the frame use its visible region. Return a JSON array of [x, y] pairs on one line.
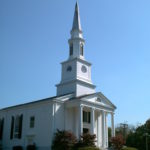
[[77, 107]]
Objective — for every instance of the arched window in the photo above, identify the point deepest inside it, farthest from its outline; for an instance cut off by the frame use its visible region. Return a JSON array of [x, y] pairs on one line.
[[71, 49]]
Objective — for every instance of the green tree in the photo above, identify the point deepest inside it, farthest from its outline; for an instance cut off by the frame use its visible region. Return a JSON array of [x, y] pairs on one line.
[[138, 137]]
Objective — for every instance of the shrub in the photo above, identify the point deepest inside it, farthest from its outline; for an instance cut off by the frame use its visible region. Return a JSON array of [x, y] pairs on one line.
[[63, 140], [31, 147], [129, 148], [117, 142], [88, 148], [17, 148], [86, 140]]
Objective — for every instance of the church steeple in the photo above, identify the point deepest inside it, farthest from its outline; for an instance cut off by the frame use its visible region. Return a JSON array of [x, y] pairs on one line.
[[76, 42], [76, 71]]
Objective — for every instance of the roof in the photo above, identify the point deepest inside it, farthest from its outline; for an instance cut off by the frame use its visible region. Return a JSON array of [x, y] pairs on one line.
[[36, 101], [60, 97]]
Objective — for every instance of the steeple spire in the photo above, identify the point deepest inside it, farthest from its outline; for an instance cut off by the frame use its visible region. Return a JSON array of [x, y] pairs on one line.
[[76, 42], [76, 20], [76, 31]]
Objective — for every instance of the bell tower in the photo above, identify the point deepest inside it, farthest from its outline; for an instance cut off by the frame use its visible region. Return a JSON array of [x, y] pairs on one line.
[[76, 71]]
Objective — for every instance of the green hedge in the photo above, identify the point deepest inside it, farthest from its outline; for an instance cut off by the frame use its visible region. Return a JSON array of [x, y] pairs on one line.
[[129, 148], [88, 148]]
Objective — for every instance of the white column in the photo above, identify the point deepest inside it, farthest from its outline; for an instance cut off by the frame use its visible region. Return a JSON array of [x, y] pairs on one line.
[[53, 120], [98, 129], [92, 120], [80, 120], [77, 122], [112, 125], [103, 130], [106, 129]]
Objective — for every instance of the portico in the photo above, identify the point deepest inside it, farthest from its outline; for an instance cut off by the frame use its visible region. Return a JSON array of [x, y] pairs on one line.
[[91, 117], [98, 125]]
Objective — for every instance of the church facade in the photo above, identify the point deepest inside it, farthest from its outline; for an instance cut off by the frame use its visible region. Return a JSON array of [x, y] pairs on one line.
[[77, 107]]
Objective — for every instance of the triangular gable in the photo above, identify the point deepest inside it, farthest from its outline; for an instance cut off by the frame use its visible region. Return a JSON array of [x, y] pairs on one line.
[[99, 99]]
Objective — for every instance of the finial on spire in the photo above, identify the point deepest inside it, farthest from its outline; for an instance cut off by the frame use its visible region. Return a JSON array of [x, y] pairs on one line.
[[76, 20]]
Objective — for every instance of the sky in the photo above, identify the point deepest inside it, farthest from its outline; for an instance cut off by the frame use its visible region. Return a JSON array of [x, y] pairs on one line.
[[34, 40]]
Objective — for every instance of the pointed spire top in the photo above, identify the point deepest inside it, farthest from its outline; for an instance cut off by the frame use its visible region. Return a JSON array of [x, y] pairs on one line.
[[76, 20]]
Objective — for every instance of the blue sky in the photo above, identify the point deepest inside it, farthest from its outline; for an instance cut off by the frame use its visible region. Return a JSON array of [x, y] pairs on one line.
[[34, 40]]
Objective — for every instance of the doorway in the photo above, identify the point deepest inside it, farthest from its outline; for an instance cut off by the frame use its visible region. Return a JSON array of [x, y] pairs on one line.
[[85, 130]]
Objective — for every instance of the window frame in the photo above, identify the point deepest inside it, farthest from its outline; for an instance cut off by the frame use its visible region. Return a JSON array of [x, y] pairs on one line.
[[86, 117], [32, 122], [16, 126]]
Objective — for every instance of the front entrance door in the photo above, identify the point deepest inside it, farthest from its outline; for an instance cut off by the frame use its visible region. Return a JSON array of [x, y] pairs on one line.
[[85, 130]]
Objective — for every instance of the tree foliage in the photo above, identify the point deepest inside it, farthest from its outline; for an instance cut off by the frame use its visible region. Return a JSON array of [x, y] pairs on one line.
[[63, 140], [137, 138], [117, 142], [86, 140]]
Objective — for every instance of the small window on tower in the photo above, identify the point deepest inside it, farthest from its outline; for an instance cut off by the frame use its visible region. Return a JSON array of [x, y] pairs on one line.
[[81, 49], [71, 49]]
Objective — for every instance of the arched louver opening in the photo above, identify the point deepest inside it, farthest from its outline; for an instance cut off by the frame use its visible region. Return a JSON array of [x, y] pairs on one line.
[[12, 127], [20, 126], [71, 49], [81, 50]]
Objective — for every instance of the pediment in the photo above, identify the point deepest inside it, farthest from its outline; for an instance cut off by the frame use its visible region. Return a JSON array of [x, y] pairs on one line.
[[99, 99]]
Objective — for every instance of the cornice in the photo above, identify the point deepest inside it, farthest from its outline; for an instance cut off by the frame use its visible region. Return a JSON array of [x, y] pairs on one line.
[[77, 59], [77, 81]]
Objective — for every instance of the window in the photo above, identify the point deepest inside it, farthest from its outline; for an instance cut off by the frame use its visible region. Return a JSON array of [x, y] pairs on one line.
[[16, 127], [12, 127], [81, 49], [71, 49], [16, 131], [32, 121], [1, 128], [86, 117]]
